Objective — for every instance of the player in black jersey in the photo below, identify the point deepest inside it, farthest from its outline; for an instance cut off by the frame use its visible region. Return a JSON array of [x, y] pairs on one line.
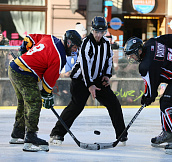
[[155, 58]]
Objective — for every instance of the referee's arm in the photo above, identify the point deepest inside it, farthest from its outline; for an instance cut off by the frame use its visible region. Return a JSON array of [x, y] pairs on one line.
[[85, 64]]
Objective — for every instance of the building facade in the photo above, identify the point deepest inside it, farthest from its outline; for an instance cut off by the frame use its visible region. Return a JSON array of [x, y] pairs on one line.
[[141, 18]]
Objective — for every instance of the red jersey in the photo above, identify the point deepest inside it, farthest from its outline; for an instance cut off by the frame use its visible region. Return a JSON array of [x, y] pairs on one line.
[[45, 59]]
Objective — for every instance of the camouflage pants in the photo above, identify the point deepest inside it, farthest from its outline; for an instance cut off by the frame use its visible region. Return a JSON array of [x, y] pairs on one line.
[[29, 100]]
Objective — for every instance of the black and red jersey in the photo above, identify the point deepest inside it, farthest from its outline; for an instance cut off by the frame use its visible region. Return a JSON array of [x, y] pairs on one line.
[[156, 66]]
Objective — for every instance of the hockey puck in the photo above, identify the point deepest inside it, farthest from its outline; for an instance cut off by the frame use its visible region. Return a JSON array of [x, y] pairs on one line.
[[97, 132]]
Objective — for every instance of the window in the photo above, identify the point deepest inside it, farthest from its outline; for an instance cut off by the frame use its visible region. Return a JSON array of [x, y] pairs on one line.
[[21, 17]]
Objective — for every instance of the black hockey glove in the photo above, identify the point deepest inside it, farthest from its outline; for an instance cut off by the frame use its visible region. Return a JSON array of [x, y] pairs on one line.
[[147, 100], [47, 99]]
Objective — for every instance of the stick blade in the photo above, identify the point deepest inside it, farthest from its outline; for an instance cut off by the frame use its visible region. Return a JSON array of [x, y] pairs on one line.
[[105, 145], [87, 146], [108, 145]]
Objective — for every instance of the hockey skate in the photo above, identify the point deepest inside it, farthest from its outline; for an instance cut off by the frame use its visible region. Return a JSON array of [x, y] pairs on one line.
[[168, 149], [33, 144], [123, 140], [56, 140], [164, 137], [17, 136]]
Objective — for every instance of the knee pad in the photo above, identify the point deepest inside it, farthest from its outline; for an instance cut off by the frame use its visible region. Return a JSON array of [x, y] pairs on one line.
[[166, 119], [165, 102]]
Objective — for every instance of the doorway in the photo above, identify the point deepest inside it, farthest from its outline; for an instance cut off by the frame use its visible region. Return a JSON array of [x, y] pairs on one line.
[[141, 28]]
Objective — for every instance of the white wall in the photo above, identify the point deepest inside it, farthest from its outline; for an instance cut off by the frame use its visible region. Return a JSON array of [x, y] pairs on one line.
[[65, 19], [169, 11]]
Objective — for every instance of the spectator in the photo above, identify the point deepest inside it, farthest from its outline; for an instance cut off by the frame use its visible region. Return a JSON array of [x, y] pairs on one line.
[[114, 45], [3, 40], [3, 58], [81, 30]]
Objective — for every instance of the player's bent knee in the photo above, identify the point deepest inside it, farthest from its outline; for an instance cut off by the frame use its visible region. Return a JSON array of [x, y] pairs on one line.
[[165, 102]]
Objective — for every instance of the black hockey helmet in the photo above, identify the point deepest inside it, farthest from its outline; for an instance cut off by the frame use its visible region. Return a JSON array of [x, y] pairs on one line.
[[99, 23], [75, 39], [132, 46]]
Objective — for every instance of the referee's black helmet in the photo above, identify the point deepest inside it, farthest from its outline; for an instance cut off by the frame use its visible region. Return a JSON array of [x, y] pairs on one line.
[[99, 23]]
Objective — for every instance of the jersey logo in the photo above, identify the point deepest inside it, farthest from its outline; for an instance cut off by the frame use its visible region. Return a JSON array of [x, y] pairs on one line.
[[160, 52], [169, 56], [152, 48], [37, 48]]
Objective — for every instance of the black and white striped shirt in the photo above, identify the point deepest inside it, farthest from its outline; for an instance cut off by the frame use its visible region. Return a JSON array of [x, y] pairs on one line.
[[94, 60]]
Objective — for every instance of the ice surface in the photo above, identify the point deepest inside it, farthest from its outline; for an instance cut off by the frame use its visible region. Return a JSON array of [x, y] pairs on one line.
[[138, 148]]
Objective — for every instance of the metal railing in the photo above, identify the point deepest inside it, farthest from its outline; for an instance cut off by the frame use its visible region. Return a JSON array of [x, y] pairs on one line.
[[126, 81]]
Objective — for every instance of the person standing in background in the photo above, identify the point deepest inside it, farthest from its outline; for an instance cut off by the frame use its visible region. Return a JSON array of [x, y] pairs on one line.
[[81, 29], [3, 68]]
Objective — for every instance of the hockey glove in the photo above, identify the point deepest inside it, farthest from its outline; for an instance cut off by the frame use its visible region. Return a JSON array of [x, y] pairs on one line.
[[47, 99], [147, 100]]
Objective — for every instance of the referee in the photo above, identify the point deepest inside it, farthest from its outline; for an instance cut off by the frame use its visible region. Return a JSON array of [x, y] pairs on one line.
[[91, 75]]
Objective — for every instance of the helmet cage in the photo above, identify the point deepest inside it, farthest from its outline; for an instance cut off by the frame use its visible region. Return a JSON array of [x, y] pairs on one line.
[[136, 52], [132, 46], [74, 37]]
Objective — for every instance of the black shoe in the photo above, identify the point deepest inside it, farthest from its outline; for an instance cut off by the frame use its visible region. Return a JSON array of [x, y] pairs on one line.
[[123, 139], [162, 138], [17, 133], [32, 143], [56, 140], [17, 136], [31, 137]]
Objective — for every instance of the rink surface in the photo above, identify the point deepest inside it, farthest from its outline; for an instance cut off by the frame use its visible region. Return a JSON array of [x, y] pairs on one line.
[[138, 148]]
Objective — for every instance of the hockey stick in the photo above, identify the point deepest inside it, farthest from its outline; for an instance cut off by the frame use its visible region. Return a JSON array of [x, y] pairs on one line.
[[80, 144], [113, 144], [97, 146], [13, 55]]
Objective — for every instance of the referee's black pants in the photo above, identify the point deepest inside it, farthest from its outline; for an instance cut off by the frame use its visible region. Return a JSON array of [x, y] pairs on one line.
[[80, 94]]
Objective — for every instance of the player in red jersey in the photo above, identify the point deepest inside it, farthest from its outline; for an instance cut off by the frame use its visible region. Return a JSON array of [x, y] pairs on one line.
[[42, 59]]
